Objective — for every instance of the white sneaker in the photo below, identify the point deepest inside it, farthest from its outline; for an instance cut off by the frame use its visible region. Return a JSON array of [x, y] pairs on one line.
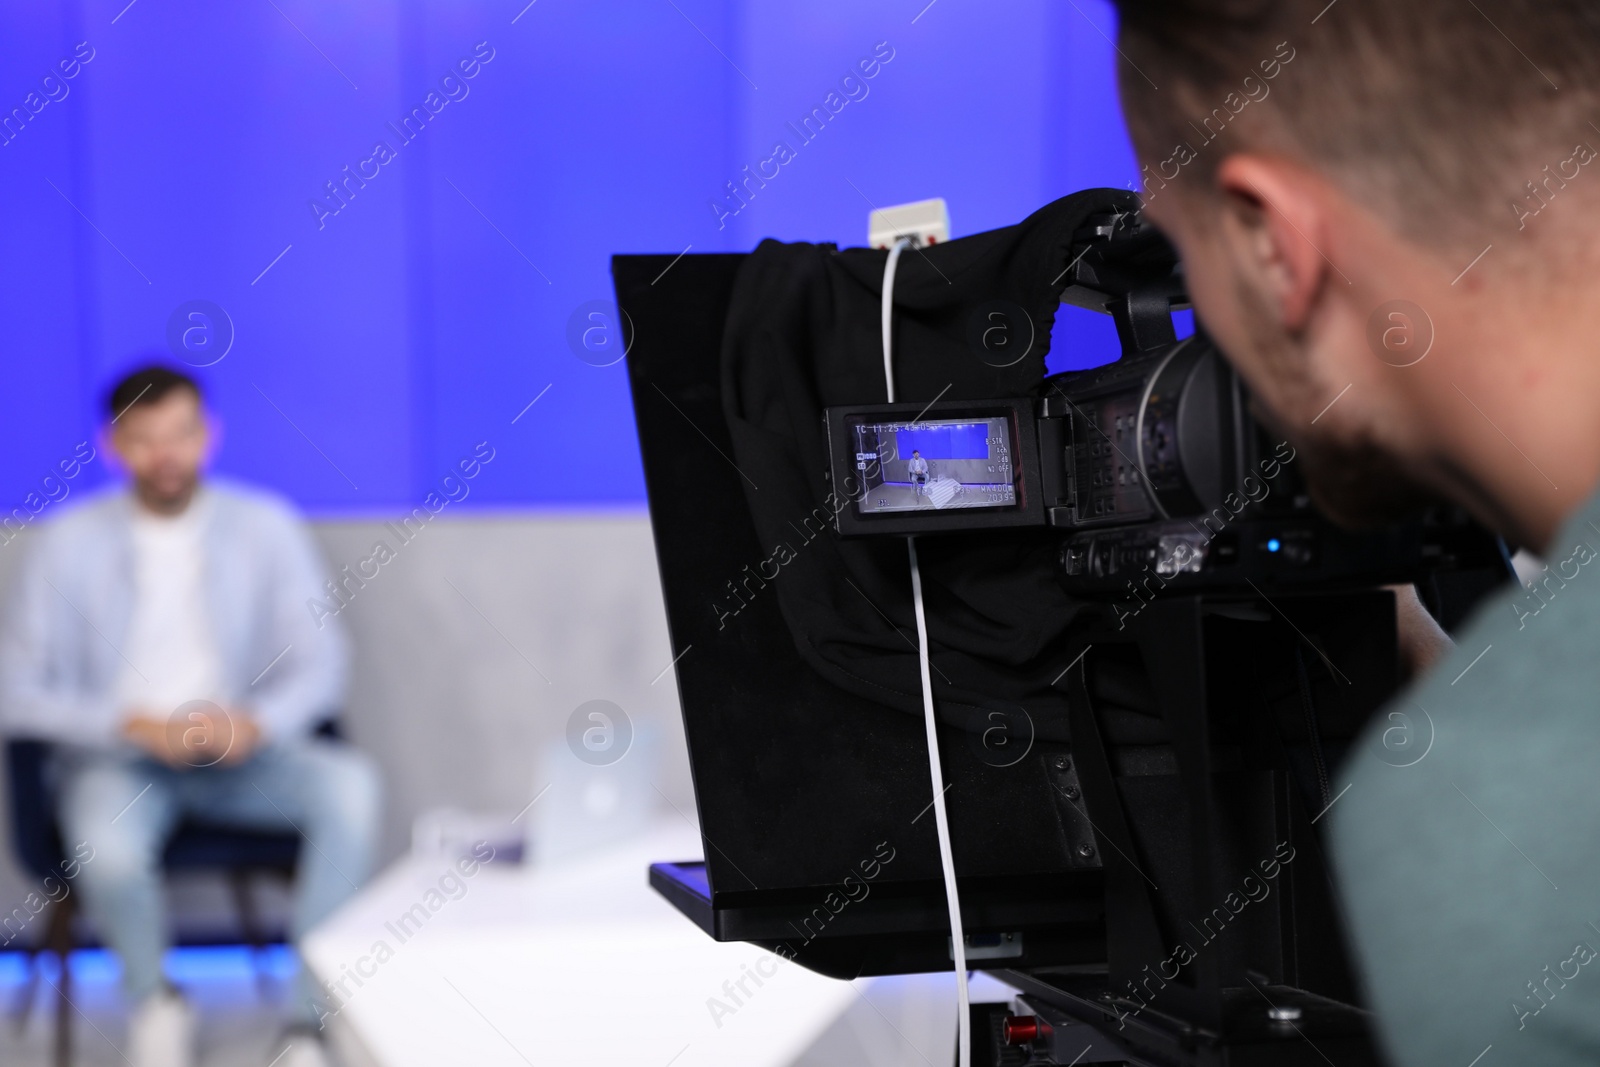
[[161, 1032], [301, 1048]]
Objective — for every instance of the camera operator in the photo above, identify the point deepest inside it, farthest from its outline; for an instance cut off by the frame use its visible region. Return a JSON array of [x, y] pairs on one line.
[[1388, 224]]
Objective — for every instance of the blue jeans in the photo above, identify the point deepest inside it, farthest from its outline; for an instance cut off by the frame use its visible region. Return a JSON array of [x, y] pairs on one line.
[[127, 806]]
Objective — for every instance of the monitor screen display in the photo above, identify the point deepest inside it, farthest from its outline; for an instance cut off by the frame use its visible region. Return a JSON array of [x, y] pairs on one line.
[[934, 464]]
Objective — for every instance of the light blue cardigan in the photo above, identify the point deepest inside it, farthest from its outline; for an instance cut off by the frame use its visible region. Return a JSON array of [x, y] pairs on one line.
[[60, 638]]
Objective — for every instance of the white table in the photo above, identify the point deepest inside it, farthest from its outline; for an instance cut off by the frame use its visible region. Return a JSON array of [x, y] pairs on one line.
[[585, 964]]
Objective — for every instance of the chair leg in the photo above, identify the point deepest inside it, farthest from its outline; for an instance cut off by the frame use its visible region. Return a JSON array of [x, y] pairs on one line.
[[250, 924], [59, 938]]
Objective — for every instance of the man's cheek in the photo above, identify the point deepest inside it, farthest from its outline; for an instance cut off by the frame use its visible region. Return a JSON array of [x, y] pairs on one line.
[[1224, 305], [1216, 308]]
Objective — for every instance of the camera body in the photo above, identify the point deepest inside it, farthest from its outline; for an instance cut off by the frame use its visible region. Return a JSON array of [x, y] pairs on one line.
[[1151, 468]]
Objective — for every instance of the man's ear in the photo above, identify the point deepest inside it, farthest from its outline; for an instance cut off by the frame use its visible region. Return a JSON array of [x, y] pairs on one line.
[[1278, 228], [105, 446], [213, 427]]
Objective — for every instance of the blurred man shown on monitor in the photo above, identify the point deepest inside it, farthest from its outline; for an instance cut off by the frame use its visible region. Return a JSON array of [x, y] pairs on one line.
[[160, 639], [919, 471]]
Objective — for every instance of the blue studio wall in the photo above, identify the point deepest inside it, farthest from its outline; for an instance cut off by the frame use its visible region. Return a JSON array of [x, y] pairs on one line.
[[371, 226]]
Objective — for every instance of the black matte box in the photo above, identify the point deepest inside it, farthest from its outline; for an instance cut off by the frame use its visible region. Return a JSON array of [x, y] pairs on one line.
[[801, 787]]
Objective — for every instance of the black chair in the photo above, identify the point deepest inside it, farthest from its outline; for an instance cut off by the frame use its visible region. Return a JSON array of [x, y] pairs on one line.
[[240, 854]]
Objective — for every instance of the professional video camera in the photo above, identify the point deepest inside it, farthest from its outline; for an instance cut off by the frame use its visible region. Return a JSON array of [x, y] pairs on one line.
[[1147, 648], [1151, 466]]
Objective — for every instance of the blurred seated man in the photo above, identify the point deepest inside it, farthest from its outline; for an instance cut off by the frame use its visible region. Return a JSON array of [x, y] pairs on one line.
[[160, 637]]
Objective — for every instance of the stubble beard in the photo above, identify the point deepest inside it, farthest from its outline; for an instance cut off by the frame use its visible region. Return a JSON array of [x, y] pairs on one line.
[[1355, 482]]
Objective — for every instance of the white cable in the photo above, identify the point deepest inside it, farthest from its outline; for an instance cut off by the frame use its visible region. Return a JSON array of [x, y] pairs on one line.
[[888, 310], [941, 820], [958, 940]]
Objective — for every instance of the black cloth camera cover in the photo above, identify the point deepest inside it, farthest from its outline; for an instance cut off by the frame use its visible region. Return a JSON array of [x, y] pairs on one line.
[[803, 334]]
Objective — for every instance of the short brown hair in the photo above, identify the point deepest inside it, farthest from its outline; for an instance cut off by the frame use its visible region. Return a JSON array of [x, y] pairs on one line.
[[147, 385], [1441, 114]]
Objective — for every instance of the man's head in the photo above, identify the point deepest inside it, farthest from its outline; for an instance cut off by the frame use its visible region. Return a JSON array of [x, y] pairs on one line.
[[1386, 214], [158, 430], [915, 453]]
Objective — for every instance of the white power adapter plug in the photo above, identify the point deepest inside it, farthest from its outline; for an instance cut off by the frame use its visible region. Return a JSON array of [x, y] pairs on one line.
[[924, 222]]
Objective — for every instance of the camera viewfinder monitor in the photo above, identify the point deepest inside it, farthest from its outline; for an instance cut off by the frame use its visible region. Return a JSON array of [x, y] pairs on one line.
[[915, 468], [934, 463]]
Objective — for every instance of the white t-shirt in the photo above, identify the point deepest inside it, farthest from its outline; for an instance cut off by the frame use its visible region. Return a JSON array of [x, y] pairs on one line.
[[170, 652]]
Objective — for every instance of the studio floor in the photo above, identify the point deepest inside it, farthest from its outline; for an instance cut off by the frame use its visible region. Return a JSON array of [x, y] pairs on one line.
[[241, 996]]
